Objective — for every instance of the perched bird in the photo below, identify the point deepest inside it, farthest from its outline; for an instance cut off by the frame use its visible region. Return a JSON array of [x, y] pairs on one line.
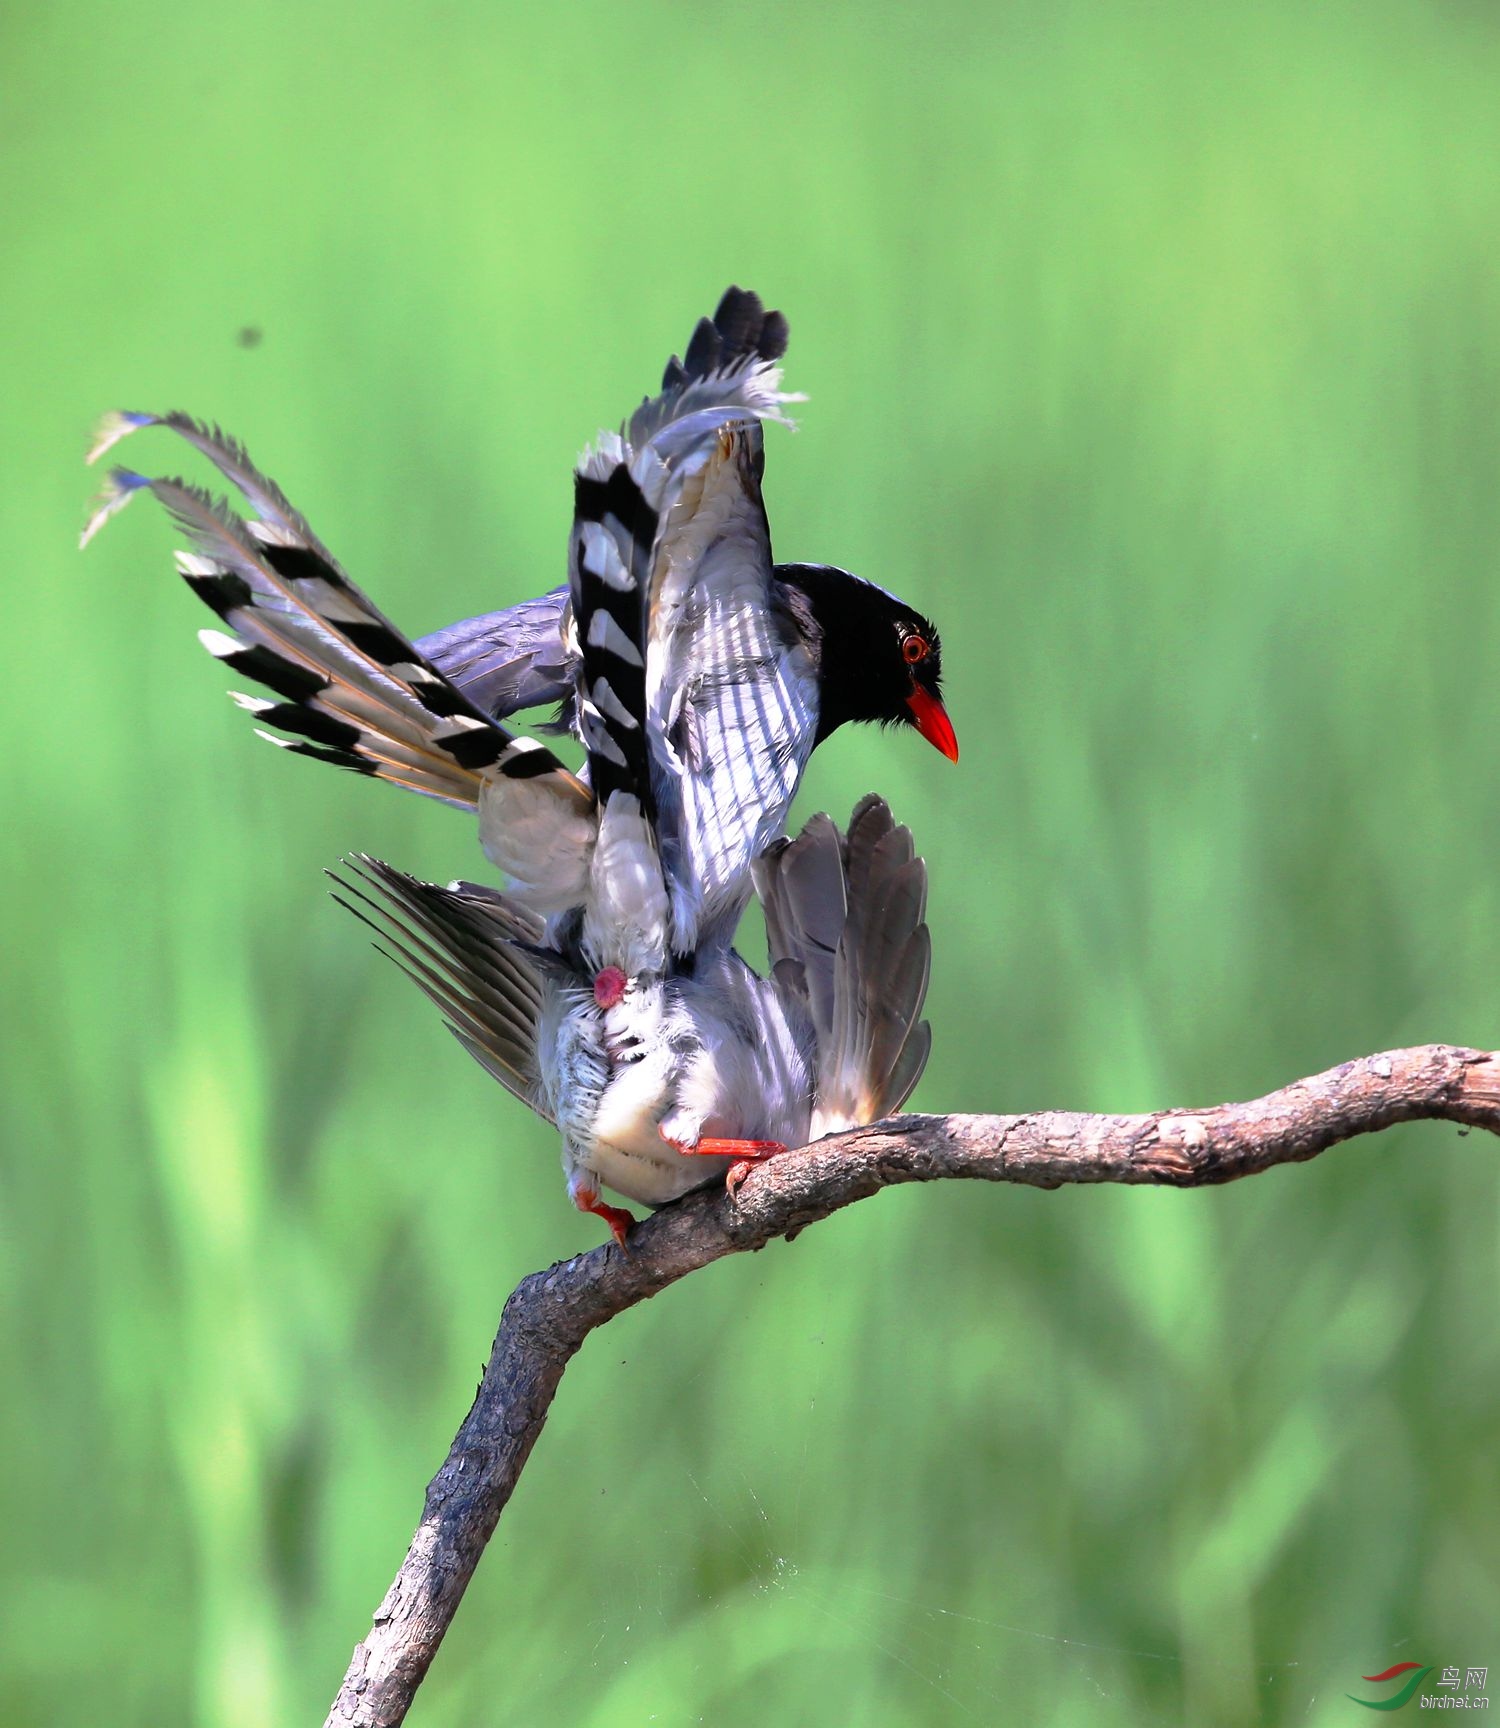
[[696, 703], [832, 1039]]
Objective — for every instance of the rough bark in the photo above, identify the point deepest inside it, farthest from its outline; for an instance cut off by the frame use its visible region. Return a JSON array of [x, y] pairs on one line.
[[550, 1313]]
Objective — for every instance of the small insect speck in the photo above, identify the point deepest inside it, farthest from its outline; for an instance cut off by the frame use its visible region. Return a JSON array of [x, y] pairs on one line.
[[249, 336]]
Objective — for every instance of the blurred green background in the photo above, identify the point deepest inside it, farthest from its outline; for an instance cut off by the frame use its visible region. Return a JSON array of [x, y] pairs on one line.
[[1156, 351]]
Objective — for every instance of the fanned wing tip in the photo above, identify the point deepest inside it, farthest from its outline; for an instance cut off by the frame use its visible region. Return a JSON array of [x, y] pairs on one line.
[[121, 486], [744, 336], [731, 360], [744, 324], [464, 958], [117, 424]]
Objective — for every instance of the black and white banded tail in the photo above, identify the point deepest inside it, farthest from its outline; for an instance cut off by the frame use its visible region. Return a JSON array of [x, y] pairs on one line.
[[344, 682]]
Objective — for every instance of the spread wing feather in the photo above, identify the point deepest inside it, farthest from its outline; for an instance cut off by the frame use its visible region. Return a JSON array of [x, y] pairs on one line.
[[466, 950], [686, 698]]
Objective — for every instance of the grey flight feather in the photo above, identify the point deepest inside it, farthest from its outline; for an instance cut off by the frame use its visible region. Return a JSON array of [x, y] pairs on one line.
[[465, 949], [845, 927]]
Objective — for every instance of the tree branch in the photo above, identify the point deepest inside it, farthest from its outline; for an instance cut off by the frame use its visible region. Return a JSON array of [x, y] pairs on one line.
[[550, 1313]]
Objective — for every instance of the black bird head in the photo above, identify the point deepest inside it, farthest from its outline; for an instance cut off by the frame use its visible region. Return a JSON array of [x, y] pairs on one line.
[[877, 658]]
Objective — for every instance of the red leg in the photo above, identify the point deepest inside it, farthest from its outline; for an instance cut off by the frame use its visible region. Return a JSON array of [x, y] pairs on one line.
[[749, 1151], [746, 1153], [618, 1219]]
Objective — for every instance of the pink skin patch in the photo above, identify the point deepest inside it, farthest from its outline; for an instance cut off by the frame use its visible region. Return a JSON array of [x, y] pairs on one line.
[[609, 987]]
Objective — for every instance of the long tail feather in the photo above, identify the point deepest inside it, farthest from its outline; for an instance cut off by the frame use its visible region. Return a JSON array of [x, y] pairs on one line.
[[353, 690], [272, 510]]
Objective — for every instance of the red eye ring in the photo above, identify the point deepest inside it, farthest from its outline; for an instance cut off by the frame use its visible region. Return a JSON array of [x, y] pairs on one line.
[[915, 649]]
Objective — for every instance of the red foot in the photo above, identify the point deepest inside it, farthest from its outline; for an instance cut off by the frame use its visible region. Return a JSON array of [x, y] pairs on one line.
[[618, 1219], [609, 987]]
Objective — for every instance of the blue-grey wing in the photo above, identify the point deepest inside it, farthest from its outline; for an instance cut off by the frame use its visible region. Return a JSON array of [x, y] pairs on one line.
[[510, 660]]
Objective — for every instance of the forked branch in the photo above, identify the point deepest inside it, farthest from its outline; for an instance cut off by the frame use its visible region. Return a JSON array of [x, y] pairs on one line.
[[550, 1313]]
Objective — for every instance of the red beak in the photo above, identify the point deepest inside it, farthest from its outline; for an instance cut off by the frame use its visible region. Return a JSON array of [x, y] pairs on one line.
[[932, 721]]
